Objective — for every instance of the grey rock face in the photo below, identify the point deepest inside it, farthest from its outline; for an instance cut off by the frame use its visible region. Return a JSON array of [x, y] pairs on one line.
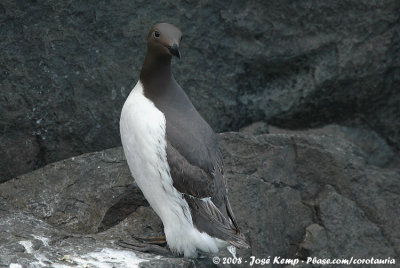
[[371, 147], [66, 67], [30, 242], [78, 191], [295, 195], [289, 198]]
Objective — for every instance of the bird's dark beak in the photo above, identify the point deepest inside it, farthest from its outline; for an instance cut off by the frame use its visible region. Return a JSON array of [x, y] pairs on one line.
[[175, 51]]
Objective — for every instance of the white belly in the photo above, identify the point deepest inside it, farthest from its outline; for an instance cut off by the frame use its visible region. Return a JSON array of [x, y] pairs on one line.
[[142, 128]]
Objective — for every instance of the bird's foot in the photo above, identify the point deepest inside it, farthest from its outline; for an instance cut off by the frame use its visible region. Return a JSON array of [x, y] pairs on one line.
[[155, 245], [156, 240]]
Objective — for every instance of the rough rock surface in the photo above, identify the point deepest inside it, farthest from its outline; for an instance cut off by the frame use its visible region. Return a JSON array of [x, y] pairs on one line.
[[30, 242], [370, 145], [295, 195], [67, 66]]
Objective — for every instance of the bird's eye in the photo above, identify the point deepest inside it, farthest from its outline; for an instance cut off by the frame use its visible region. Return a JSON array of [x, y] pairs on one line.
[[157, 34]]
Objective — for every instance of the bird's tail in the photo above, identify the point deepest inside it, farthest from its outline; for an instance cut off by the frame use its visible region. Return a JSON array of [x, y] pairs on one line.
[[222, 227]]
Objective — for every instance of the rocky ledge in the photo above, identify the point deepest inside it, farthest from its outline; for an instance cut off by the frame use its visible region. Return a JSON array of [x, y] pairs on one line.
[[295, 194]]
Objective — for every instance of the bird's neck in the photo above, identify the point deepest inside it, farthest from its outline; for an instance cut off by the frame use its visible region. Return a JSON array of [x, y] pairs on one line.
[[156, 71]]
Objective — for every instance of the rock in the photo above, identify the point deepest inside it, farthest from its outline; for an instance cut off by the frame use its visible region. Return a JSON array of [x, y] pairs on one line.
[[67, 67], [80, 194], [315, 243], [295, 195], [356, 235], [372, 147], [256, 128], [294, 169], [30, 242]]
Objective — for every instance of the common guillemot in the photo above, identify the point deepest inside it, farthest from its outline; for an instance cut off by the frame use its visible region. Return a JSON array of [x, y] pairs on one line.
[[174, 155]]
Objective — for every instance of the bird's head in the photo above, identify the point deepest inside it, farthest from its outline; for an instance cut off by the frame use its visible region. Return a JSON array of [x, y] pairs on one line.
[[164, 39]]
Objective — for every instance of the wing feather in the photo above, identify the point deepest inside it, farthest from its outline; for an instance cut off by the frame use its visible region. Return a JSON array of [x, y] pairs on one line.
[[196, 165], [207, 197]]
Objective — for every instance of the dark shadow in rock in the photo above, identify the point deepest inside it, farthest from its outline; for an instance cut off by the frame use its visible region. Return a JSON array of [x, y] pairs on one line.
[[131, 200]]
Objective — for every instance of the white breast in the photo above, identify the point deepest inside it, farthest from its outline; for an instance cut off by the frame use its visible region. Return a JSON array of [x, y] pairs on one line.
[[142, 128]]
